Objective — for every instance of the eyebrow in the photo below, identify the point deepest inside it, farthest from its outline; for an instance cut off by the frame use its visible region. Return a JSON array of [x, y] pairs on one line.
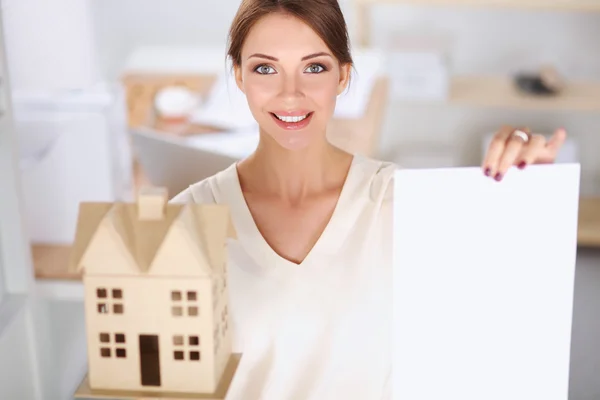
[[308, 57]]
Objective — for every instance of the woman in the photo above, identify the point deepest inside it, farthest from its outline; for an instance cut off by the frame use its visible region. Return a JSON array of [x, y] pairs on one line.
[[309, 274]]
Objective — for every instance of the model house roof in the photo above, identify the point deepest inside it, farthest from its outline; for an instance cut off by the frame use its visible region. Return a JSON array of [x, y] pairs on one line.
[[136, 233]]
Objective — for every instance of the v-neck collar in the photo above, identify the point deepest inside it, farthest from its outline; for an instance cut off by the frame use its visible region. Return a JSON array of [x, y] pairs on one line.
[[333, 236]]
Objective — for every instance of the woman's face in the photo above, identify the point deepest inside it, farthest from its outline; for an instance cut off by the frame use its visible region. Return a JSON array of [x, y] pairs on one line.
[[291, 80]]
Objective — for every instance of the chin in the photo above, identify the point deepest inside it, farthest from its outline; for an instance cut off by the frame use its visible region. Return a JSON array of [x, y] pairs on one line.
[[294, 142]]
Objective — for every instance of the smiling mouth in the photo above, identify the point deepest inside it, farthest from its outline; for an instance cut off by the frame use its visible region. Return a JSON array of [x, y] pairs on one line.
[[291, 120]]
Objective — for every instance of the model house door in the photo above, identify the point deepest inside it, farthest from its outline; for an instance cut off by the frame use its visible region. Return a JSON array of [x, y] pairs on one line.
[[149, 360]]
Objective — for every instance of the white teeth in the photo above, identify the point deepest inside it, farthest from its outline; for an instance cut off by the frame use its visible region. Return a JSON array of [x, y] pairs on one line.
[[292, 119]]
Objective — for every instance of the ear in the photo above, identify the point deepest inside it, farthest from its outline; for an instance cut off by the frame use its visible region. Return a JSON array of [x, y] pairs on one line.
[[345, 72], [238, 78]]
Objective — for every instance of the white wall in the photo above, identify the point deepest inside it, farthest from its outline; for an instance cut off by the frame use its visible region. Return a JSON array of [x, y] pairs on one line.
[[123, 24], [485, 41]]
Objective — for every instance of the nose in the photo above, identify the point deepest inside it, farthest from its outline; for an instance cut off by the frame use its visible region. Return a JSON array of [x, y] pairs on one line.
[[291, 87]]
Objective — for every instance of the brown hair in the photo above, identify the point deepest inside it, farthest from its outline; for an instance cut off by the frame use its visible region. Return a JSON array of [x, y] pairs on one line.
[[323, 16]]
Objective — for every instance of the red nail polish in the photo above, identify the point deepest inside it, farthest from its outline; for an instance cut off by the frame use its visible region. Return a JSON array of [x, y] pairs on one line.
[[488, 171], [498, 177], [522, 164]]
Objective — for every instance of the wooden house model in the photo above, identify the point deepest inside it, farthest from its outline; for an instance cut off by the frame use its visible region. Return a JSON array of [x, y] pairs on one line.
[[156, 300]]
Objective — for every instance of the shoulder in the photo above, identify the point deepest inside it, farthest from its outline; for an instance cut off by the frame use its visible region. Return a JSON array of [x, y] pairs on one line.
[[206, 191], [380, 178], [199, 192]]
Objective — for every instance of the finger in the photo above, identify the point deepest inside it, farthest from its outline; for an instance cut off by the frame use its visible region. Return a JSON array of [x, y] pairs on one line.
[[532, 151], [556, 142], [495, 150], [514, 147], [548, 153], [558, 139]]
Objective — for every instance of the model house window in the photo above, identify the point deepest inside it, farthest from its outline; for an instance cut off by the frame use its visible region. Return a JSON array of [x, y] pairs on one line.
[[184, 303], [109, 300], [112, 348], [191, 347]]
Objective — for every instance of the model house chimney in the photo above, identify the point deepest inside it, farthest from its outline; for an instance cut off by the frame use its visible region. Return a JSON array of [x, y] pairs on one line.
[[151, 203]]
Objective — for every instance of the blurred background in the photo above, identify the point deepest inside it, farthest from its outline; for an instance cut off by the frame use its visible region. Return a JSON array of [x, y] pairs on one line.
[[109, 95]]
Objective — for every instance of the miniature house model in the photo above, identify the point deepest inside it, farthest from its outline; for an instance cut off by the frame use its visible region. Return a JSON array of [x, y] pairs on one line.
[[155, 284]]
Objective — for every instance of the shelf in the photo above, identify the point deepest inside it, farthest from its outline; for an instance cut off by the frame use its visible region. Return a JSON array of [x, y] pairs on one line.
[[566, 5], [51, 262], [500, 92], [589, 222]]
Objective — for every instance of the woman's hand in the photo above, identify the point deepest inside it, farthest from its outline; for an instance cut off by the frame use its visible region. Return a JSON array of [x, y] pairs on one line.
[[511, 146]]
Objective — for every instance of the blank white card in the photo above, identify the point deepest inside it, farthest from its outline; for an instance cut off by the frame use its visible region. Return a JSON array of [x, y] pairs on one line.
[[483, 283]]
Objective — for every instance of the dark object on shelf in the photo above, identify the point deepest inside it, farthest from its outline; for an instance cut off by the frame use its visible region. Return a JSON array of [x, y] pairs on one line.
[[547, 82]]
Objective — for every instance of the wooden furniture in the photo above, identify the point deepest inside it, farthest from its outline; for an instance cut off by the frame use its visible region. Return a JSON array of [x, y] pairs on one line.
[[142, 87], [589, 222], [51, 262], [494, 91]]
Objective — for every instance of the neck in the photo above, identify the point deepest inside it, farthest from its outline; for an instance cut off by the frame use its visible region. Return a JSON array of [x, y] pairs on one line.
[[294, 175]]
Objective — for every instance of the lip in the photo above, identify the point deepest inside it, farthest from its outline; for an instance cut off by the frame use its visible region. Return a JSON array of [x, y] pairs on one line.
[[298, 113], [293, 126]]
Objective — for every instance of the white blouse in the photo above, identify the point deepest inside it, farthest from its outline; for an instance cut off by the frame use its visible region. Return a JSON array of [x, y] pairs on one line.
[[321, 329]]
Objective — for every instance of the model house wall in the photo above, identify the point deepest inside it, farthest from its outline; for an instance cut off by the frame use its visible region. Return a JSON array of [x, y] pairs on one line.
[[148, 333], [156, 301]]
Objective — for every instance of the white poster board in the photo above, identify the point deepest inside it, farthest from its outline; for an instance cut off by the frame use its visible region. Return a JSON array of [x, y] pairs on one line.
[[483, 283]]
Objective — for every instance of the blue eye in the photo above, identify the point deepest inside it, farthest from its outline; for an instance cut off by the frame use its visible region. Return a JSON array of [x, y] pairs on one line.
[[315, 69], [264, 70]]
